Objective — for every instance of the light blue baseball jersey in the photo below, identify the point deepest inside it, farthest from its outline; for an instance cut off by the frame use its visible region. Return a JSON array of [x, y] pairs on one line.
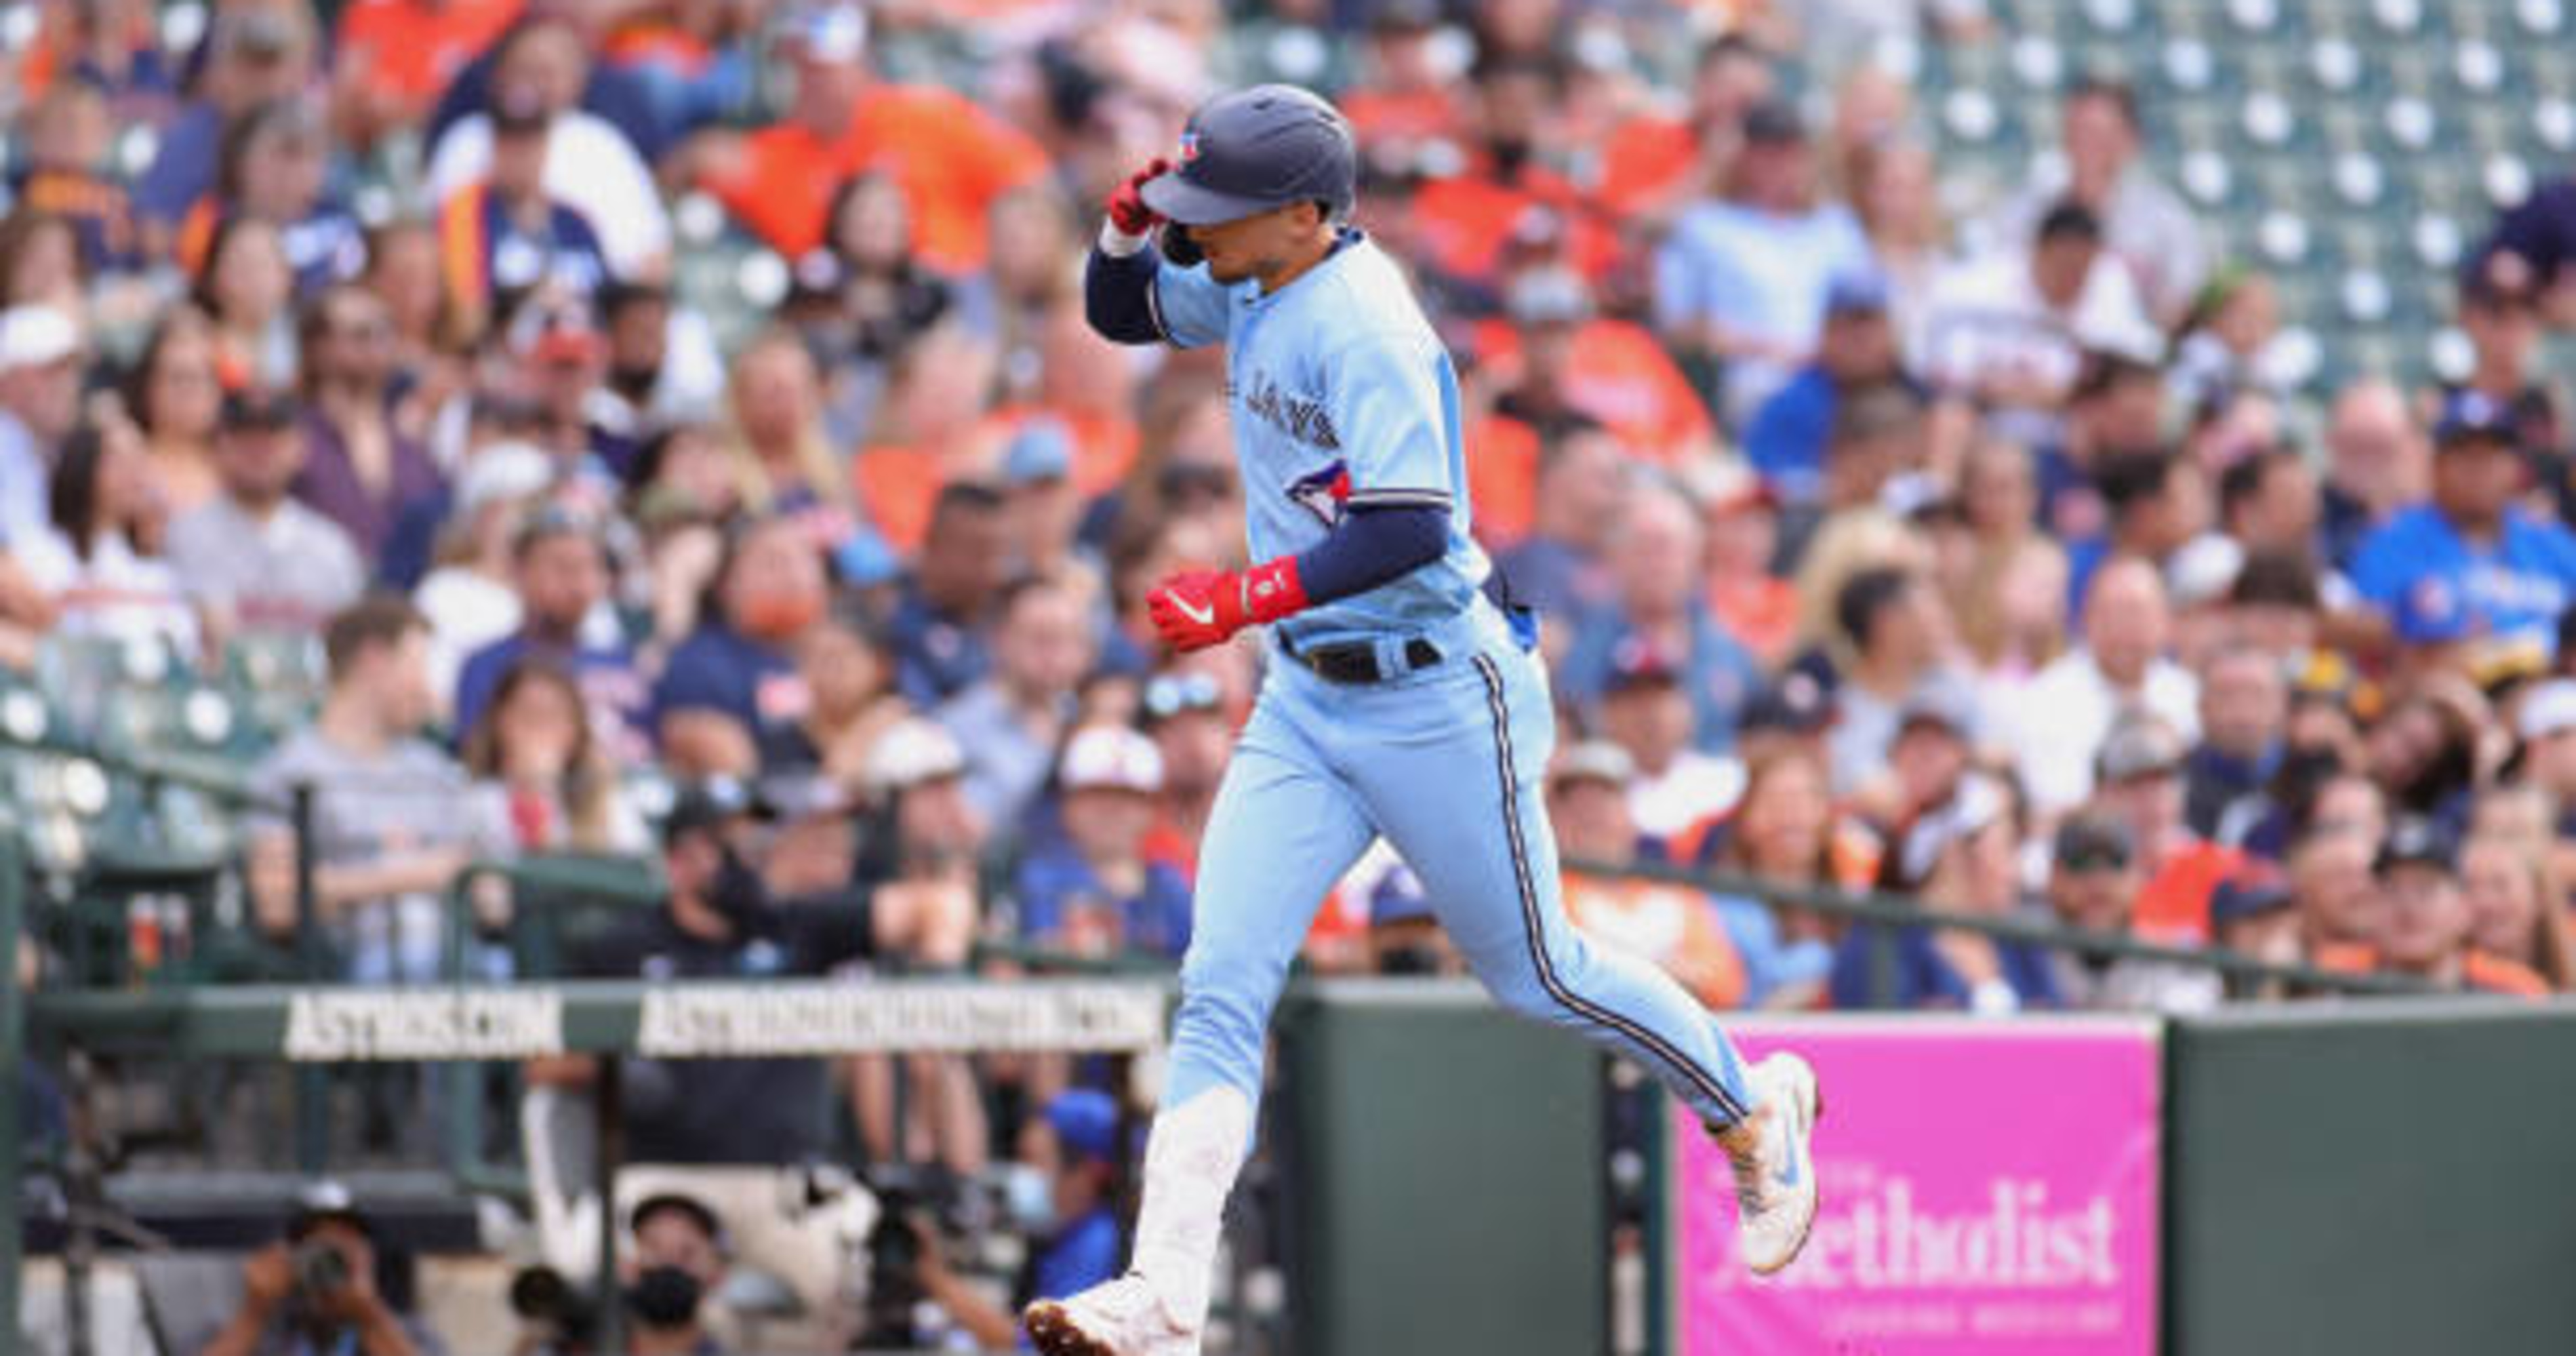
[[1342, 396]]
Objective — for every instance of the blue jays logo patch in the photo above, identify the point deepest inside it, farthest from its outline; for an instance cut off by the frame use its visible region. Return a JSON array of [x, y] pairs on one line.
[[1323, 492]]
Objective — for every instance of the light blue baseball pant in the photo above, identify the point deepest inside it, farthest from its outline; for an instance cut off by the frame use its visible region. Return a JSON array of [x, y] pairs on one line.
[[1447, 763]]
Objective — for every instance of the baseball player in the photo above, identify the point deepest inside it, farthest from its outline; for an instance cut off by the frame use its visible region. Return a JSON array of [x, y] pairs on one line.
[[1398, 701]]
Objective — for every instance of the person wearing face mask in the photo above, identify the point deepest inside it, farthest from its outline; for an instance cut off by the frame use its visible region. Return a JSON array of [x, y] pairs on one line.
[[730, 701], [677, 1262], [1063, 1195]]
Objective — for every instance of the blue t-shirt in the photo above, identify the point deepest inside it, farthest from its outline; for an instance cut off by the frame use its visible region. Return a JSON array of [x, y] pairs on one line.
[[607, 678], [1081, 1255], [719, 669], [1787, 437], [1720, 675], [1925, 978], [1055, 880], [936, 655], [2434, 584], [1342, 397]]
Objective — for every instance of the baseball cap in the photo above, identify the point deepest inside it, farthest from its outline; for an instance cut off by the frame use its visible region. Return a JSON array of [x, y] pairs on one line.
[[502, 471], [1862, 291], [2416, 841], [2253, 890], [2475, 417], [1111, 758], [1726, 487], [1550, 296], [322, 1201], [1774, 121], [257, 408], [834, 35], [2547, 709], [1593, 760], [911, 752], [711, 803], [2204, 570], [1796, 705], [1945, 703], [2500, 277], [1040, 450], [1085, 1121], [2138, 746], [1637, 662], [36, 336], [1975, 803], [2092, 842]]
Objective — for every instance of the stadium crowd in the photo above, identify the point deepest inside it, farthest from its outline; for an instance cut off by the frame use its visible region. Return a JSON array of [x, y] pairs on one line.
[[1980, 552]]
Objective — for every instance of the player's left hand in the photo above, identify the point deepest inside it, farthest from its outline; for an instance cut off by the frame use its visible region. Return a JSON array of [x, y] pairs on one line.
[[1195, 609]]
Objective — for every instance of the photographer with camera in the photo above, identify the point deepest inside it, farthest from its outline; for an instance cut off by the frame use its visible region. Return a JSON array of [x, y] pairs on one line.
[[315, 1292], [1064, 1196]]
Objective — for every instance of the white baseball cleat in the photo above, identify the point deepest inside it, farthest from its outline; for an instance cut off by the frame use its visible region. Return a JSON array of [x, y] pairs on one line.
[[1775, 1174], [1124, 1317]]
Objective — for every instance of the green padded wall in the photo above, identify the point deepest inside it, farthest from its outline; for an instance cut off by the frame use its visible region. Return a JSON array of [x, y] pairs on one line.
[[2367, 1178], [1450, 1176]]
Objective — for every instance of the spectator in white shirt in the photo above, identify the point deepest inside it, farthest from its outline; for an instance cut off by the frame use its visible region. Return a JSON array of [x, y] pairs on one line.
[[2151, 231], [2073, 703], [2011, 329]]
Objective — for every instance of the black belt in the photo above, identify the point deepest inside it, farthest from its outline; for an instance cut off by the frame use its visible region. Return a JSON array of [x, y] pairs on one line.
[[1356, 661]]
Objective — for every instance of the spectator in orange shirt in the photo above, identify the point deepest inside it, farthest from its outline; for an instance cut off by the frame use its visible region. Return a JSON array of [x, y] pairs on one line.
[[1572, 363], [1672, 926], [2429, 922], [1655, 165], [952, 157], [395, 57], [1466, 218], [2138, 780], [1742, 519], [1405, 100]]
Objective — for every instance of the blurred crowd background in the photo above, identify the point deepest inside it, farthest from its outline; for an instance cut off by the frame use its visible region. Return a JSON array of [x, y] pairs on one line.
[[2105, 462]]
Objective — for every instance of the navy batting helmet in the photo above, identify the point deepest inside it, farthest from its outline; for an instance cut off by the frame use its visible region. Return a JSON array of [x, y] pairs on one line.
[[1256, 149]]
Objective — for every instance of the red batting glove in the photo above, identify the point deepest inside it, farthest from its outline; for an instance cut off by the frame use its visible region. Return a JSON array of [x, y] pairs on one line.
[[1195, 609], [1126, 205]]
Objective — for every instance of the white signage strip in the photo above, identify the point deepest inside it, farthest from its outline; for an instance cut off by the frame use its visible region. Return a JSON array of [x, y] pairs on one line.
[[697, 1020], [336, 1026]]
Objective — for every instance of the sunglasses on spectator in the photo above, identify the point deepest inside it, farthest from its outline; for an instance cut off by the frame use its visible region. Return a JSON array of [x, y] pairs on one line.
[[1171, 694], [2087, 860]]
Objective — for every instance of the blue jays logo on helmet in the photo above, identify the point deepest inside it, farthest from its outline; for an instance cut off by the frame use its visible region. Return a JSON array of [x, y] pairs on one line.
[[1189, 146], [1323, 492]]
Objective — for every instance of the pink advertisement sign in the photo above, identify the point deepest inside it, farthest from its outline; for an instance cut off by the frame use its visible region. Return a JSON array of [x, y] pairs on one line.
[[1987, 1188]]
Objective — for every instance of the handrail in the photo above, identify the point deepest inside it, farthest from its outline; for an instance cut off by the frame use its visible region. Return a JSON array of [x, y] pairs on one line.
[[1903, 912]]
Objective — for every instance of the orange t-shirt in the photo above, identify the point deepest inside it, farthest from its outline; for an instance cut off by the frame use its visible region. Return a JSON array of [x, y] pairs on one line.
[[1502, 478], [897, 488], [1104, 446], [1620, 375], [1762, 613], [1673, 926], [1649, 160], [1420, 115], [2175, 902], [951, 157], [2495, 974], [1465, 221], [415, 49]]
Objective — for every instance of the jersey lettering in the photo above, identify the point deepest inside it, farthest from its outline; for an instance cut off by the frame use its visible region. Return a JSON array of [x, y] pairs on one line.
[[1303, 420]]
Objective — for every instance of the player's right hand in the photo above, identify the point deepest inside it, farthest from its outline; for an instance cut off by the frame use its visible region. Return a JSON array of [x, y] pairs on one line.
[[1126, 205]]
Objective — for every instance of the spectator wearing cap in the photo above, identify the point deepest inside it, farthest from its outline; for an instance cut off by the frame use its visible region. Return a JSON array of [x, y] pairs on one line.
[[359, 469], [320, 1289], [1646, 713], [1096, 891], [559, 568], [1012, 721], [388, 840], [1855, 350], [1064, 1197], [952, 157], [1958, 857], [601, 142], [2138, 779], [1573, 367], [1897, 633], [1743, 278], [1560, 566], [2010, 328], [2094, 880], [255, 556], [2428, 924], [2244, 728], [562, 358], [504, 234], [41, 352], [1184, 712], [2064, 714], [1794, 712], [1670, 926], [1654, 558], [2541, 231], [2152, 233], [730, 697], [2467, 561], [1046, 507], [2499, 312]]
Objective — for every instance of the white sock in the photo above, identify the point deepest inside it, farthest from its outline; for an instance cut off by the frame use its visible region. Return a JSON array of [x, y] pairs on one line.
[[1190, 1166]]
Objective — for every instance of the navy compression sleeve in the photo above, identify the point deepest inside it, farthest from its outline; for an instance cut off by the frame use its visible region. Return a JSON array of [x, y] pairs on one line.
[[1118, 295], [1372, 546]]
